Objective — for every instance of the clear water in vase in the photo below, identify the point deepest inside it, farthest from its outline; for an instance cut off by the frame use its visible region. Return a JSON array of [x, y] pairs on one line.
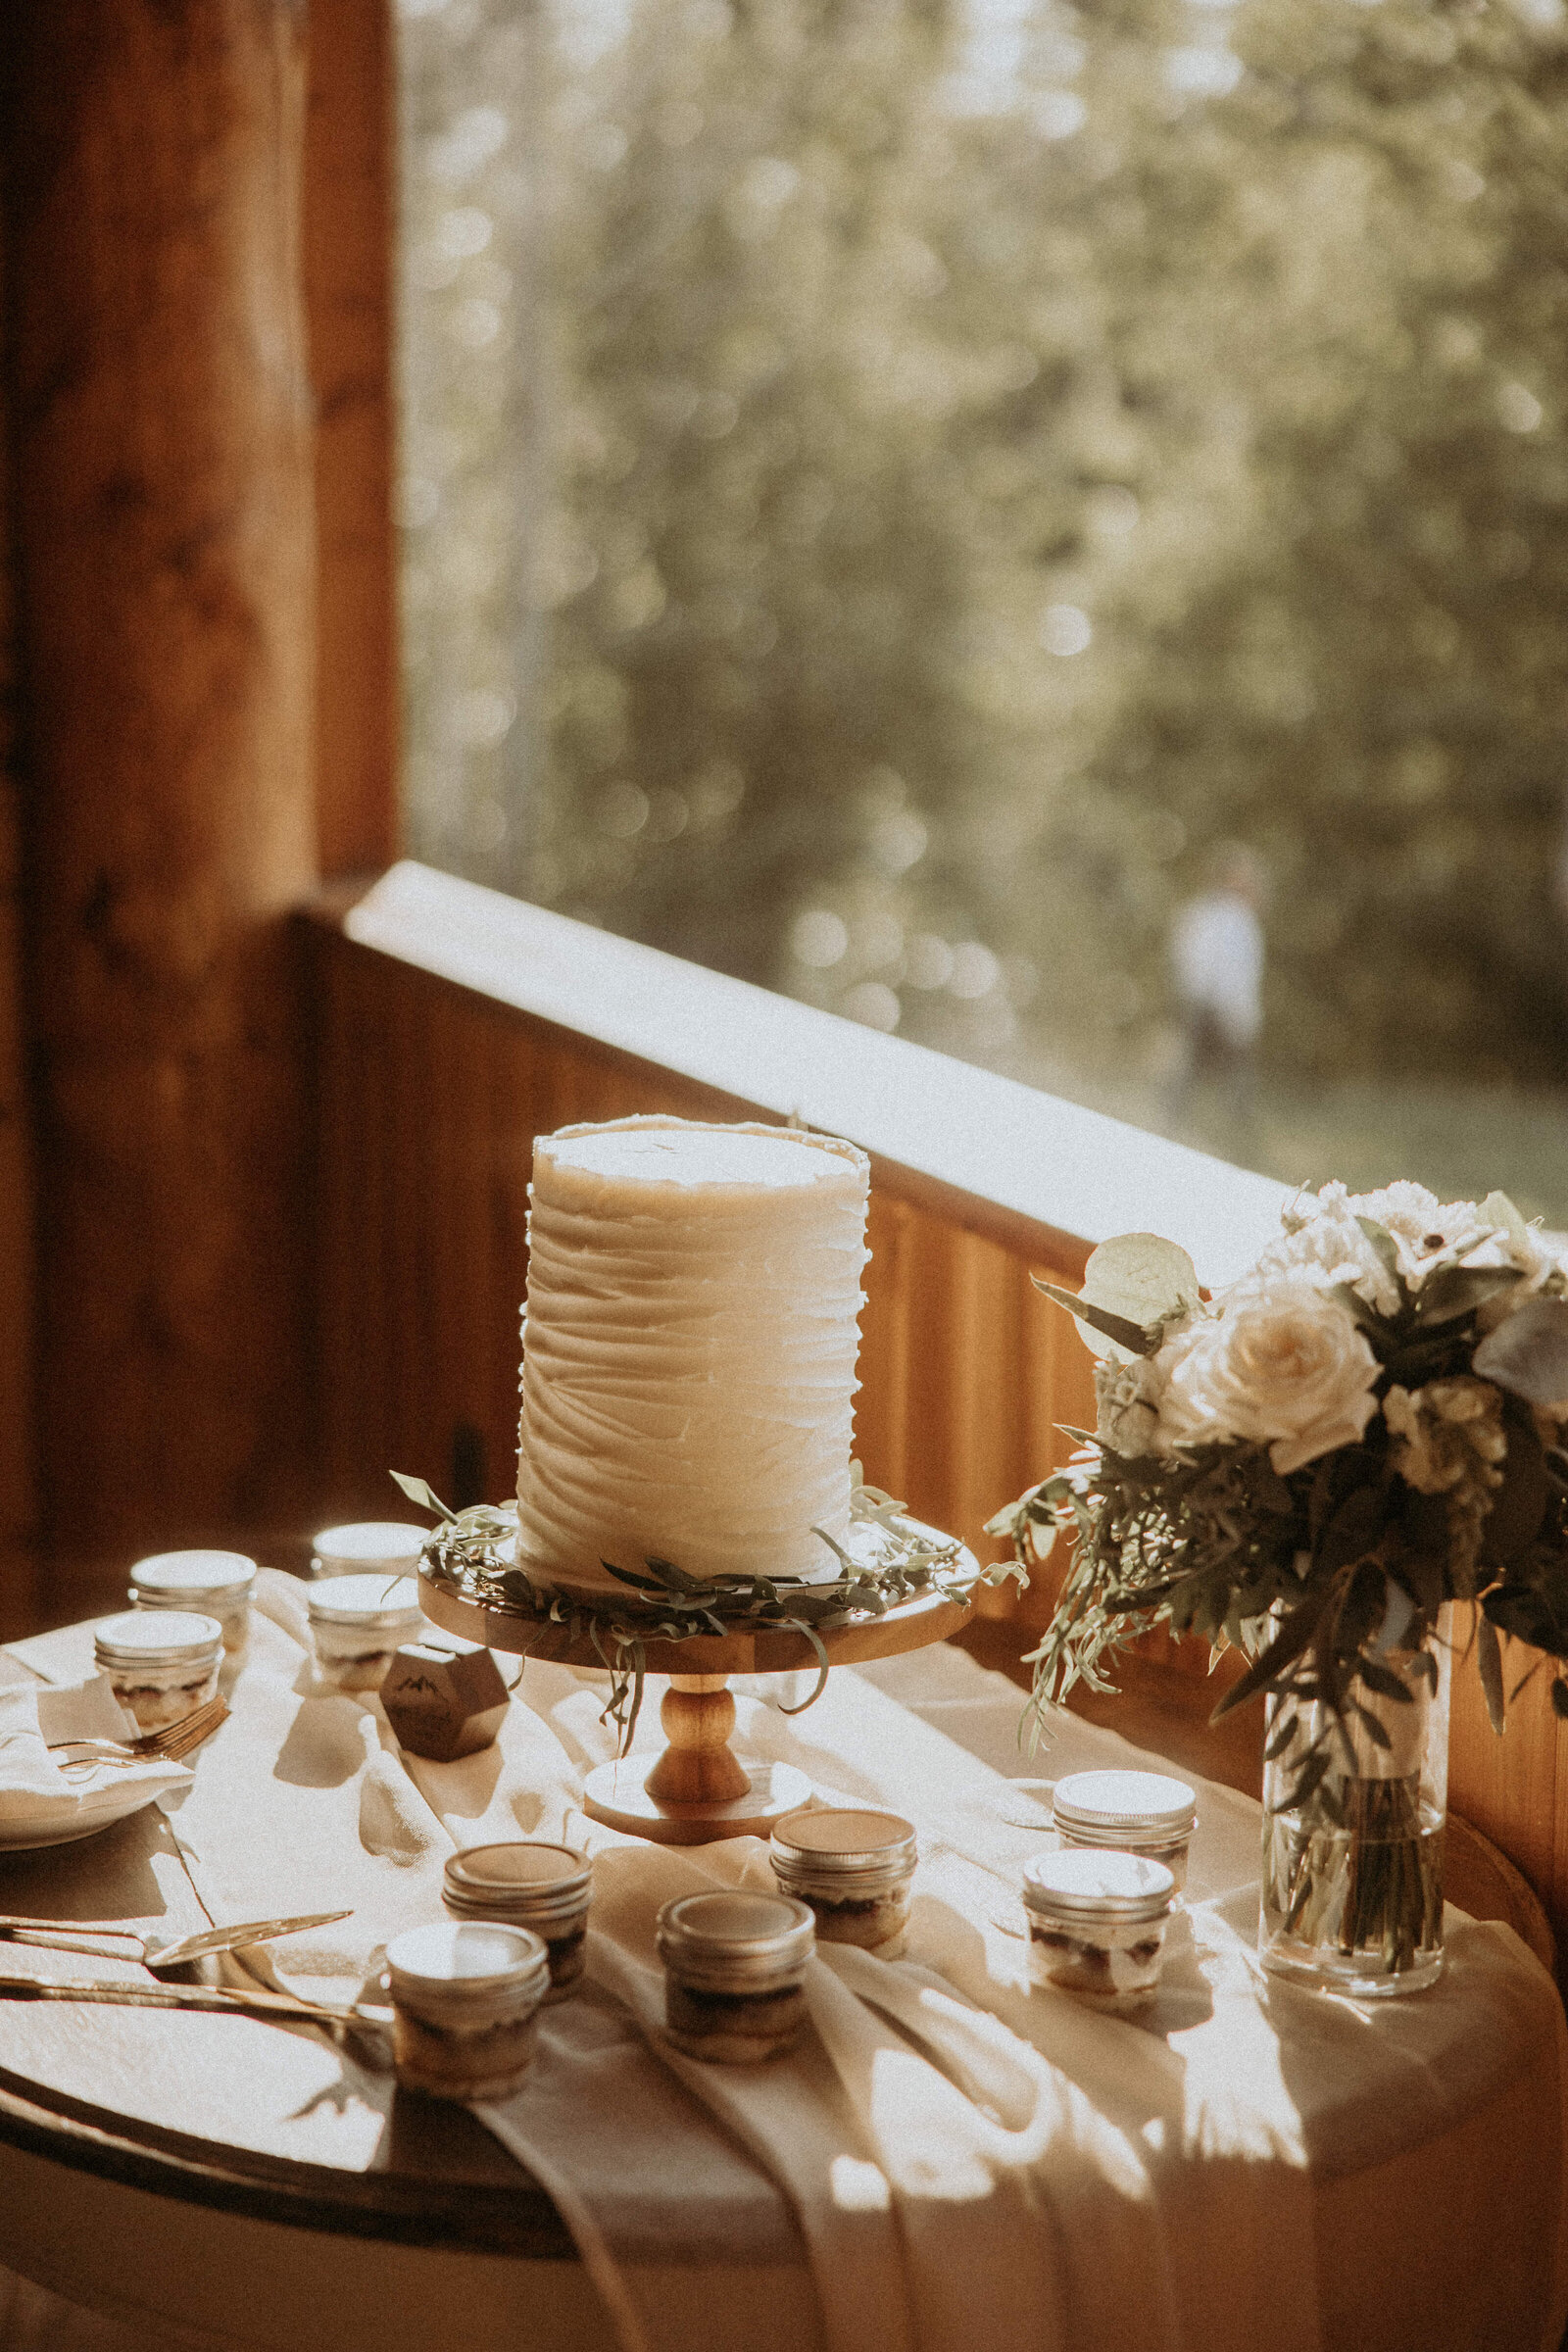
[[1352, 1873], [1359, 1907]]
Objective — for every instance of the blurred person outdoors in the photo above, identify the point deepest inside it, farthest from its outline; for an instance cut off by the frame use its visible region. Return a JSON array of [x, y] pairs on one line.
[[1218, 951]]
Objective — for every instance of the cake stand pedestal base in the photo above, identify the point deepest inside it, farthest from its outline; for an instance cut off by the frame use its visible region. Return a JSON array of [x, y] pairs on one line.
[[618, 1795], [697, 1790]]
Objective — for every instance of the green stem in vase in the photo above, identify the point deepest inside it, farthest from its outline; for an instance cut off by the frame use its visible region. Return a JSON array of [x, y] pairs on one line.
[[1370, 1881]]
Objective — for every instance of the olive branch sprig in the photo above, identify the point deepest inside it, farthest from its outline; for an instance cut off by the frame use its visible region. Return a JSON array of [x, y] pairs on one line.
[[472, 1554]]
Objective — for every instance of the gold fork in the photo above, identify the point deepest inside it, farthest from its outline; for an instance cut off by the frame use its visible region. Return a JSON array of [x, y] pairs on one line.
[[168, 1746]]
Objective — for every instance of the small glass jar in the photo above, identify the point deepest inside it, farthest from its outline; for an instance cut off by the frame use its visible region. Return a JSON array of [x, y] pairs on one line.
[[853, 1868], [161, 1664], [1148, 1813], [214, 1584], [464, 1997], [366, 1544], [734, 1972], [1097, 1924], [528, 1883], [357, 1624]]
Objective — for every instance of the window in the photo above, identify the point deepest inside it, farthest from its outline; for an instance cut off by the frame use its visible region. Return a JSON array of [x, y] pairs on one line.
[[903, 496]]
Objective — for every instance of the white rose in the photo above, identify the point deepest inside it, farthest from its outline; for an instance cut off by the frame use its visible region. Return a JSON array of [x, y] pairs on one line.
[[1285, 1366]]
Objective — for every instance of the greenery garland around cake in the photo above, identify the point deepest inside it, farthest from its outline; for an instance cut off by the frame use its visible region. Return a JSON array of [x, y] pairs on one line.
[[472, 1554]]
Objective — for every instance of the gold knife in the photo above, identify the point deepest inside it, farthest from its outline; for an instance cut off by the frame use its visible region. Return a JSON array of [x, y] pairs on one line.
[[65, 1936], [191, 1996]]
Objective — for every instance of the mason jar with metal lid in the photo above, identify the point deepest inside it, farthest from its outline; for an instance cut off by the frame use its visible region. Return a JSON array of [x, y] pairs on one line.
[[853, 1866], [1097, 1924], [734, 1972], [528, 1883], [357, 1624], [1148, 1813], [161, 1664], [213, 1583], [393, 1546], [465, 1996]]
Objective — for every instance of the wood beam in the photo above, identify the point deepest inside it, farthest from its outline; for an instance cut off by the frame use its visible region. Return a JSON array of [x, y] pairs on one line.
[[350, 160], [17, 1484], [163, 530]]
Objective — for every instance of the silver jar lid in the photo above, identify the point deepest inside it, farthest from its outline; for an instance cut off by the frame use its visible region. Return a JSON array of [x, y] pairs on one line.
[[364, 1600], [844, 1841], [466, 1959], [168, 1580], [737, 1942], [157, 1638], [522, 1877], [365, 1544], [1124, 1808], [1087, 1885]]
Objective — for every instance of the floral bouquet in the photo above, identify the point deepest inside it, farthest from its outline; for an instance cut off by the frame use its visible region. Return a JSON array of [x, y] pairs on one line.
[[1310, 1467]]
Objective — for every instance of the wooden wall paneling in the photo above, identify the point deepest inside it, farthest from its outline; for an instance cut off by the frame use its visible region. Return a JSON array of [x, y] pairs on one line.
[[460, 1223], [522, 1100], [981, 1404], [928, 1313], [414, 1217], [17, 1483], [882, 1406], [163, 463], [348, 248], [1510, 1788]]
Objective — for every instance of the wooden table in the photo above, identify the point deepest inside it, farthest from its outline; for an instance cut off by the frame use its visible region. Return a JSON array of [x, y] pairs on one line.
[[107, 2202], [272, 2196]]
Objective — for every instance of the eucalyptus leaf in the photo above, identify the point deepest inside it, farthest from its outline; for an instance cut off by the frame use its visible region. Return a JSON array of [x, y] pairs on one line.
[[1385, 1681], [1449, 1292], [1489, 1653], [1373, 1725], [1296, 1632], [1143, 1277], [1528, 1353], [1384, 1245], [423, 1496], [1519, 1504], [1499, 1212], [1127, 1339]]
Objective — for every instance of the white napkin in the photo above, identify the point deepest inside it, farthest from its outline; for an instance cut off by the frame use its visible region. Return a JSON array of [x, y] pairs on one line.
[[39, 1800]]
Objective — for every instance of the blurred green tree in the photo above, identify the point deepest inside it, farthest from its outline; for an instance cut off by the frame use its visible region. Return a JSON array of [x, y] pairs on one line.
[[979, 453]]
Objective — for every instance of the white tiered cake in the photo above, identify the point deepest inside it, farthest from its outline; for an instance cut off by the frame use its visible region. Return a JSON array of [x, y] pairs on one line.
[[689, 1347]]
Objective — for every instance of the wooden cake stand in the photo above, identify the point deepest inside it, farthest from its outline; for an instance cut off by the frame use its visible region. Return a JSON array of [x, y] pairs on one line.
[[697, 1789]]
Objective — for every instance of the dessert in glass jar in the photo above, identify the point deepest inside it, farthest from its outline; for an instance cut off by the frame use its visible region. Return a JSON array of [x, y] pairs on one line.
[[1097, 1924], [528, 1883], [212, 1584], [734, 1973], [357, 1623], [364, 1547], [854, 1867], [161, 1664], [1148, 1813], [464, 1997]]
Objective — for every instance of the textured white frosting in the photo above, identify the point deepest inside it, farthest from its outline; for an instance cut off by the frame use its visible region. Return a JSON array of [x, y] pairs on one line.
[[689, 1347]]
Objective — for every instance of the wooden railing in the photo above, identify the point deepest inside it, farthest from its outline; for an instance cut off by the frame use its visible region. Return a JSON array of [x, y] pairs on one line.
[[456, 1025]]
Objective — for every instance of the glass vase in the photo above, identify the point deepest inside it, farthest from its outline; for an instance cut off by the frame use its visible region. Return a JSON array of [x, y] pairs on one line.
[[1353, 1865]]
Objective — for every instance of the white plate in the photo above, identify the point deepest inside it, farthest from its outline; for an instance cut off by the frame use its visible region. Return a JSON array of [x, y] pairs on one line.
[[98, 1811]]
